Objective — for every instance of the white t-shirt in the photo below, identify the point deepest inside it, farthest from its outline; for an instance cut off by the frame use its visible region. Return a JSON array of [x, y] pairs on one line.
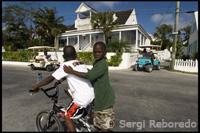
[[81, 89]]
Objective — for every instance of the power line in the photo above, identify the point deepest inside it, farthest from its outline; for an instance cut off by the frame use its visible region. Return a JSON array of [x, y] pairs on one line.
[[157, 9], [165, 13]]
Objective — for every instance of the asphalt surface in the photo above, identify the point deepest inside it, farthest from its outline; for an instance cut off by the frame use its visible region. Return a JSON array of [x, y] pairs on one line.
[[156, 101]]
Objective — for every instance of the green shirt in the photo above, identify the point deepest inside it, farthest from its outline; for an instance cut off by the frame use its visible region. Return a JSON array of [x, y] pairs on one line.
[[104, 94]]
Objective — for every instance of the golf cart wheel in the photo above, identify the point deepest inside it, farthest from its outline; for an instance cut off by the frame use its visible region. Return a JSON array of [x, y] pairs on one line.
[[32, 67], [158, 67], [148, 68], [49, 68], [135, 67]]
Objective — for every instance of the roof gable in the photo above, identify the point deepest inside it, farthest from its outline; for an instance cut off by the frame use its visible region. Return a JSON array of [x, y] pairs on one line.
[[84, 8], [123, 15]]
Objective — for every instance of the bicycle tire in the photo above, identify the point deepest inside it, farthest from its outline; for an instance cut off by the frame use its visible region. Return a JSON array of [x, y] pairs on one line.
[[41, 122]]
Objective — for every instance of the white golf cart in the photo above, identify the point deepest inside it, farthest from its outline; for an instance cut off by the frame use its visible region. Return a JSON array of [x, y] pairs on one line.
[[39, 62]]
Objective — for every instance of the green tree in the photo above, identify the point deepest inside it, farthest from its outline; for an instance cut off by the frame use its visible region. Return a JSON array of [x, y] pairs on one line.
[[17, 35], [186, 34], [20, 13], [48, 24], [162, 32], [179, 45], [118, 46], [104, 21]]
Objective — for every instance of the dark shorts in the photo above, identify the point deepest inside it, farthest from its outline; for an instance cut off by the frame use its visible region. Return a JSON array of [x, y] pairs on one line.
[[74, 111]]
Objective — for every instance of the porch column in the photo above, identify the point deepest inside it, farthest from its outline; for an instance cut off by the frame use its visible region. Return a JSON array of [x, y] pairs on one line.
[[120, 35], [90, 39], [136, 44], [78, 42], [67, 41], [90, 14], [77, 16]]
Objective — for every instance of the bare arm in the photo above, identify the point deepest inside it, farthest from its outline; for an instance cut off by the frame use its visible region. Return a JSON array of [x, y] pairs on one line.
[[45, 82], [68, 69], [42, 83]]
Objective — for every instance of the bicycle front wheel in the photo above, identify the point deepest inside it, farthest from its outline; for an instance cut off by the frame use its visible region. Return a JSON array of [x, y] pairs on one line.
[[48, 123]]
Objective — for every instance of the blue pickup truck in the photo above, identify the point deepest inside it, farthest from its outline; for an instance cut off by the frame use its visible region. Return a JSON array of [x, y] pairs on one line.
[[147, 62]]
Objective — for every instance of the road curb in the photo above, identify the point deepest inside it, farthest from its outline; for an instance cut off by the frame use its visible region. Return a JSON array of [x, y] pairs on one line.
[[15, 63]]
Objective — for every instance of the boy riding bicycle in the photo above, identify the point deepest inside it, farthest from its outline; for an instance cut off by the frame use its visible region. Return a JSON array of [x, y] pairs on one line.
[[80, 89]]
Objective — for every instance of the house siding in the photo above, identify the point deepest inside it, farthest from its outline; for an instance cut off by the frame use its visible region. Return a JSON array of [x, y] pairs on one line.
[[83, 37], [193, 39]]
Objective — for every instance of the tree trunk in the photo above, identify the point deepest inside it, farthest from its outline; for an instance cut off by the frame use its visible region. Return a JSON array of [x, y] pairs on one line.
[[55, 43], [31, 29], [161, 44]]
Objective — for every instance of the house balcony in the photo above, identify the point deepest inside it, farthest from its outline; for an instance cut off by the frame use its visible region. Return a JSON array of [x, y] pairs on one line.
[[83, 24]]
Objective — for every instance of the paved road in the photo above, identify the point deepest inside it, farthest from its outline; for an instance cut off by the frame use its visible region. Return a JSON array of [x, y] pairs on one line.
[[157, 101]]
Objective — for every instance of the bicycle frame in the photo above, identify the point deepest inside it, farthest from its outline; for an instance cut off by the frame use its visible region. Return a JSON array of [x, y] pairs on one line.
[[57, 109]]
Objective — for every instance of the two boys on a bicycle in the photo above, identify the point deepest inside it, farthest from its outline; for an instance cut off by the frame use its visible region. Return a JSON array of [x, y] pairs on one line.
[[80, 89], [98, 76]]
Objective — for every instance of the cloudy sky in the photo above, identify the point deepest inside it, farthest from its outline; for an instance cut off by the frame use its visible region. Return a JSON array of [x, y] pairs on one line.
[[150, 14]]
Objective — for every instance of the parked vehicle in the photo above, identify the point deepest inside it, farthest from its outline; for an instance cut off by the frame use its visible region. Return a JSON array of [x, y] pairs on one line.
[[144, 62], [39, 62]]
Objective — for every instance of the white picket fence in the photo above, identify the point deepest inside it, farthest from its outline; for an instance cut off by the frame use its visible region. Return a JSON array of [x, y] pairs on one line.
[[187, 66]]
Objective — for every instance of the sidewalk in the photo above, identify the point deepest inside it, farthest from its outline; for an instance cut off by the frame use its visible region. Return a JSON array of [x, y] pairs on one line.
[[15, 63], [26, 64]]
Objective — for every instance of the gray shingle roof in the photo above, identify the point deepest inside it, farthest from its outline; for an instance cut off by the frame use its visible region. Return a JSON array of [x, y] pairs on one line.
[[123, 15]]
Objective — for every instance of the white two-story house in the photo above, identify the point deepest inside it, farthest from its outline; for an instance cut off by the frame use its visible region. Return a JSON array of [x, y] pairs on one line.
[[193, 39], [83, 37]]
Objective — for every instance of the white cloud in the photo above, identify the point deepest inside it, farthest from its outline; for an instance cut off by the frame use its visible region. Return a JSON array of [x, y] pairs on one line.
[[169, 19], [156, 18], [163, 19], [103, 5]]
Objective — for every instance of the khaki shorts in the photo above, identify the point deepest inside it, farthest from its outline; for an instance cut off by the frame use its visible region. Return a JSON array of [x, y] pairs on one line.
[[104, 119]]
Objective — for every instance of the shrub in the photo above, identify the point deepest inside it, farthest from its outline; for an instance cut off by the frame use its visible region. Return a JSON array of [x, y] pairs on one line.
[[19, 56], [115, 60], [195, 55], [86, 57]]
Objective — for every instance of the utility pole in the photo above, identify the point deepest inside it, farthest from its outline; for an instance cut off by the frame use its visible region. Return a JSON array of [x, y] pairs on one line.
[[175, 35]]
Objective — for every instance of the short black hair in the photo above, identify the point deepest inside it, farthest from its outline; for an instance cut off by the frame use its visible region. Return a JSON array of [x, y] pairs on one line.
[[69, 52], [102, 44]]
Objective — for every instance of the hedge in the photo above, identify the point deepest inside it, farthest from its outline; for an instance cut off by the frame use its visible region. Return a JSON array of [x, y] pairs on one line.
[[85, 57], [18, 56]]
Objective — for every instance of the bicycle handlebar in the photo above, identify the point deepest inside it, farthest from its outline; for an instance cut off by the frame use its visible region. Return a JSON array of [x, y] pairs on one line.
[[45, 90]]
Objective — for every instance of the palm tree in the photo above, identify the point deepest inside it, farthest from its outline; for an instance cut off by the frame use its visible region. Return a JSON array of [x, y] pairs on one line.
[[104, 21], [48, 24], [18, 34], [118, 46], [162, 31]]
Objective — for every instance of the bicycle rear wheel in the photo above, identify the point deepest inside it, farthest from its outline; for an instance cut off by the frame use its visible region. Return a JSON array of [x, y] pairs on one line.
[[42, 120]]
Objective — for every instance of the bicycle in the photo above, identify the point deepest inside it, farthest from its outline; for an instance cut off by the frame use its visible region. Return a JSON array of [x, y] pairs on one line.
[[47, 120]]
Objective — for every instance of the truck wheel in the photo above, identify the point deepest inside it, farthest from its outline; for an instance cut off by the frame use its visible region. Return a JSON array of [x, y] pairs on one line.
[[49, 68], [158, 67], [148, 68], [32, 67]]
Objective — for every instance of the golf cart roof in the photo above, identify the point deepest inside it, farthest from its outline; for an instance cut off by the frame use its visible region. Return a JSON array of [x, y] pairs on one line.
[[41, 47]]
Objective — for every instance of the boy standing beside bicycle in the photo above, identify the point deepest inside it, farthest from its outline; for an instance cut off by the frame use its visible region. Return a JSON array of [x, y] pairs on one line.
[[104, 94], [80, 89]]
